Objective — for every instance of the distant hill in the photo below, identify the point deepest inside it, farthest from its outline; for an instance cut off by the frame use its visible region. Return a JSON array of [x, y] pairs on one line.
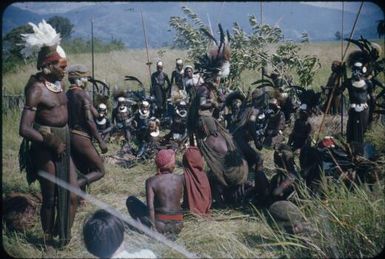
[[14, 17], [123, 21]]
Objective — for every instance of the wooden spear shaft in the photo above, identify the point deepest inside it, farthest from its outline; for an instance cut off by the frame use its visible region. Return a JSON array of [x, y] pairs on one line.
[[145, 41]]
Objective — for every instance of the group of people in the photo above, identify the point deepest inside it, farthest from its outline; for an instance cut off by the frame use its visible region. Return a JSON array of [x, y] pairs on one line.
[[58, 128]]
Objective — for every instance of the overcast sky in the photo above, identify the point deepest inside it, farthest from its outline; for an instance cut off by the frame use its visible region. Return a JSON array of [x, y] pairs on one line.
[[57, 7]]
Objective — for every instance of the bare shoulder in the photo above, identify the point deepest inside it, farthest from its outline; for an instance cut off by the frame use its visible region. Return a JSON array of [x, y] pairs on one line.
[[34, 89], [150, 180]]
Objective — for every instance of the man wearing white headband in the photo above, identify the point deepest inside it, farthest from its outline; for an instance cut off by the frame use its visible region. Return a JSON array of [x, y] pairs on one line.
[[43, 125], [83, 128], [160, 88], [359, 89]]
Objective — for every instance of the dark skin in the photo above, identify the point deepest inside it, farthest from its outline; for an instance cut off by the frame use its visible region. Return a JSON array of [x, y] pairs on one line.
[[84, 154], [51, 111], [164, 193]]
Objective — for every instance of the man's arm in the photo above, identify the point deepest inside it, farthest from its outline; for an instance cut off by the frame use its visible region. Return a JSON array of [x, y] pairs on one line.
[[153, 83], [251, 126], [26, 130], [168, 87], [150, 201]]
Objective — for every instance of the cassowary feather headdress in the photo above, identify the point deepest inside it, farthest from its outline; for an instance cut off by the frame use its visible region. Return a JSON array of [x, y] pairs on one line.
[[217, 60], [368, 54], [45, 40]]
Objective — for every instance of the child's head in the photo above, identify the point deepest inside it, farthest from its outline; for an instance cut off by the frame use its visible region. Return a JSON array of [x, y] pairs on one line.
[[103, 234]]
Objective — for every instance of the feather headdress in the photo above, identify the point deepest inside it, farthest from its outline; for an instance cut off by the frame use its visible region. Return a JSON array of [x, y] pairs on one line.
[[44, 39], [217, 59], [368, 54]]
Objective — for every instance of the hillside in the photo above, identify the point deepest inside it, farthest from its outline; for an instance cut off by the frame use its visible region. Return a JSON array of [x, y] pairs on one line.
[[123, 20]]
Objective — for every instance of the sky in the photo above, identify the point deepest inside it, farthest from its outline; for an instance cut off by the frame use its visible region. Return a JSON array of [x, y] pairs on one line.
[[56, 7]]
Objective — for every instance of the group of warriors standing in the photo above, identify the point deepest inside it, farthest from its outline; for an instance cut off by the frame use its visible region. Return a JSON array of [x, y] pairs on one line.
[[226, 130]]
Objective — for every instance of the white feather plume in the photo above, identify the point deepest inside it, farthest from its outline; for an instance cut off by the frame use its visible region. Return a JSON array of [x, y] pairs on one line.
[[43, 35]]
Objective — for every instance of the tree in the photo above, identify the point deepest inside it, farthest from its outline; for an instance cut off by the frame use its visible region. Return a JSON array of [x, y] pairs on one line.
[[249, 51], [12, 46], [62, 25], [338, 35], [305, 37], [12, 41]]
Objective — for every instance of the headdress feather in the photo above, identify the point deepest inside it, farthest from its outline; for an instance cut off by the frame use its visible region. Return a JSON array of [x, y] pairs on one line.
[[43, 35], [217, 59]]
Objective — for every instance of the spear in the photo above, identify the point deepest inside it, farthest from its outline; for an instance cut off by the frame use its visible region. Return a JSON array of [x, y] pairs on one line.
[[145, 41]]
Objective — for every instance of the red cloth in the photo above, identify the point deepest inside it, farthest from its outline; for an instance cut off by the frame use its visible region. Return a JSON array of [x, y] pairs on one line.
[[197, 191], [164, 158]]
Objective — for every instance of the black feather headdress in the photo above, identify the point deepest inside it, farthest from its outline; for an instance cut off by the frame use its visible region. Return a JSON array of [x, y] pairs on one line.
[[217, 60]]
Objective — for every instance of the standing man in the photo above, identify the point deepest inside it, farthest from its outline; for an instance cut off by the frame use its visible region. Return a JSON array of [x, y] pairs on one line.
[[177, 74], [43, 125], [160, 87], [359, 89], [83, 128]]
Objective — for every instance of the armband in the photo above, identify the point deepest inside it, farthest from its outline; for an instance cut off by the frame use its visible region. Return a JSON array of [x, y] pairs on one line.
[[26, 107]]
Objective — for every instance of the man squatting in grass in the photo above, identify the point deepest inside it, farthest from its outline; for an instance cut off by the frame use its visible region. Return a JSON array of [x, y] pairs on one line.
[[43, 125], [83, 128], [163, 194]]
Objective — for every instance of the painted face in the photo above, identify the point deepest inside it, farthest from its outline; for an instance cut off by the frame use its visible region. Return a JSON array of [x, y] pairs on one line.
[[189, 73], [58, 69]]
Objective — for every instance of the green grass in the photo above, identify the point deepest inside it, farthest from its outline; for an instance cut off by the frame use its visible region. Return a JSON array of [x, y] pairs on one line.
[[345, 224]]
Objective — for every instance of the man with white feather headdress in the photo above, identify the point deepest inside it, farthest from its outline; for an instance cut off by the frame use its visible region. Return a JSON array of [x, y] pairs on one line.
[[43, 125]]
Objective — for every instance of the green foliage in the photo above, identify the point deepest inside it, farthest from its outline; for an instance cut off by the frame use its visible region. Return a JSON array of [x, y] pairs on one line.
[[249, 51], [344, 224], [305, 37], [376, 135], [62, 25], [188, 34], [12, 45]]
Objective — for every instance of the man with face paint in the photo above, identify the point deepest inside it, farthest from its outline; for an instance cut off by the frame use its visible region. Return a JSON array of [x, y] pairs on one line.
[[103, 124], [359, 89], [83, 128], [43, 125], [160, 87]]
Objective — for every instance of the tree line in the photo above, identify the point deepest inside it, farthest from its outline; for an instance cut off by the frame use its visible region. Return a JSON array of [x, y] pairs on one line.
[[12, 43]]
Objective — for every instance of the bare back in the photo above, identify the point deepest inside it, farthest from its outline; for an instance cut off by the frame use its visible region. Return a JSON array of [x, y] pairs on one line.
[[167, 190]]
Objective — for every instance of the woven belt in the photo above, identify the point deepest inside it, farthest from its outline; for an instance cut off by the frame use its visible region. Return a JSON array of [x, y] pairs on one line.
[[177, 217]]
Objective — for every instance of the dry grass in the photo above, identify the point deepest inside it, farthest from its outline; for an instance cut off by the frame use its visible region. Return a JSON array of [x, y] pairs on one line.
[[353, 220]]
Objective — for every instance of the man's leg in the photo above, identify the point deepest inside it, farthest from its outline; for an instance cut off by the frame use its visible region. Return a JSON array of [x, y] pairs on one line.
[[86, 159], [44, 162]]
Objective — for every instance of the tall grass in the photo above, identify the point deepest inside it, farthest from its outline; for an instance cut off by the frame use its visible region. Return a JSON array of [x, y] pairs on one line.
[[345, 223]]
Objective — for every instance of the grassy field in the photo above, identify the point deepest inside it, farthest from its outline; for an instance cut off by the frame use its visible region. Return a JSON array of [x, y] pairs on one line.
[[345, 224]]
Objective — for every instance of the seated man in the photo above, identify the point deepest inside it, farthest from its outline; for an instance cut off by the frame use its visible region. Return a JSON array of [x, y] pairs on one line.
[[164, 192]]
